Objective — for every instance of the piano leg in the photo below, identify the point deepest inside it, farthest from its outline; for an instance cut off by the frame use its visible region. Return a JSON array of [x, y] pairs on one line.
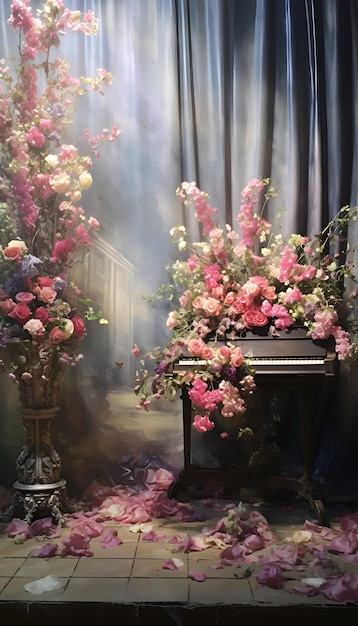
[[197, 482], [308, 487]]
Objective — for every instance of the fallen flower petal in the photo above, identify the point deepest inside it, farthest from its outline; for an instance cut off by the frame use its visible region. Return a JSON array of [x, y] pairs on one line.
[[49, 549], [76, 545], [271, 577], [18, 527], [313, 582], [172, 564], [110, 538], [198, 576], [343, 589]]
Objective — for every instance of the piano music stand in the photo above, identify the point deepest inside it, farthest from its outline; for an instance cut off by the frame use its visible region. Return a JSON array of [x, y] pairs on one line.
[[231, 478]]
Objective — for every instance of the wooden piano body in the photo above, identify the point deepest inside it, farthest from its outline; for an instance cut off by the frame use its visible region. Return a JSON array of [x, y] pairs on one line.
[[290, 359]]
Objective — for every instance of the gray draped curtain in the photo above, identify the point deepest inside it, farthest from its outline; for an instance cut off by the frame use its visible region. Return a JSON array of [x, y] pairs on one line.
[[212, 91]]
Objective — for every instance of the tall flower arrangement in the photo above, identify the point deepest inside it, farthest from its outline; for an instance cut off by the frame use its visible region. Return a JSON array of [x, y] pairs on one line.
[[230, 283], [44, 230]]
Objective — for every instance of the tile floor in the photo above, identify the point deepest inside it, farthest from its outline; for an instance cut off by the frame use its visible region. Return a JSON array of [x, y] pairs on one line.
[[127, 583]]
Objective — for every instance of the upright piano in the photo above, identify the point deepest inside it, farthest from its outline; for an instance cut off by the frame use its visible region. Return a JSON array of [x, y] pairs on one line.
[[292, 359]]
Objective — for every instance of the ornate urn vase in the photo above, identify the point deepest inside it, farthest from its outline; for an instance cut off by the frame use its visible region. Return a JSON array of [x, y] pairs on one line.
[[39, 486]]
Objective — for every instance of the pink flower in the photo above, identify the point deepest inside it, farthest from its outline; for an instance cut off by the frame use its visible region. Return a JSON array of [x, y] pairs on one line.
[[56, 336], [79, 326], [202, 423], [20, 313], [62, 250], [25, 297], [195, 346], [136, 350]]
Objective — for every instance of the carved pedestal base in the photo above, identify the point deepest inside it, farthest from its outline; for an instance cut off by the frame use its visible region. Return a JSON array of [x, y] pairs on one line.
[[39, 498]]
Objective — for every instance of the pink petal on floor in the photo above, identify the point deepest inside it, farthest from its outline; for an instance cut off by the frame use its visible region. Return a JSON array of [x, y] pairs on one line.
[[271, 577], [347, 544], [172, 564], [153, 536], [110, 538], [198, 576], [18, 527], [49, 549], [76, 545], [343, 589]]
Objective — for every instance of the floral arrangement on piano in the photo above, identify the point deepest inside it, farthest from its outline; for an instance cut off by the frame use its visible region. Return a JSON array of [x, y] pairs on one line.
[[231, 283]]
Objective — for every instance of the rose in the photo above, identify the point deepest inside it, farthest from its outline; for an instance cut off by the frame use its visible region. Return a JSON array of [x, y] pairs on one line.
[[46, 294], [236, 358], [237, 307], [56, 335], [79, 326], [251, 289], [259, 280], [255, 317], [20, 313], [207, 352], [42, 314], [230, 298], [212, 307], [172, 320], [15, 253], [195, 346], [35, 328], [25, 297], [268, 292]]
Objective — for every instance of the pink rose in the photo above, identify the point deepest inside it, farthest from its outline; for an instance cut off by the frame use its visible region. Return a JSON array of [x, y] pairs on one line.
[[251, 289], [56, 335], [269, 293], [44, 281], [236, 358], [46, 294], [79, 326], [212, 307], [25, 297], [20, 313], [255, 317], [237, 307], [172, 320], [259, 280], [14, 253], [198, 304], [225, 351], [207, 352], [195, 346], [42, 314], [230, 298]]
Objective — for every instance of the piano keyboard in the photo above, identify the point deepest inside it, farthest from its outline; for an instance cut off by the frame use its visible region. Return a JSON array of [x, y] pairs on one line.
[[289, 353]]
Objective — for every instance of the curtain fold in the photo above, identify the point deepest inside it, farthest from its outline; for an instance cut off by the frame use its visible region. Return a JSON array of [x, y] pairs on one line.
[[216, 92]]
